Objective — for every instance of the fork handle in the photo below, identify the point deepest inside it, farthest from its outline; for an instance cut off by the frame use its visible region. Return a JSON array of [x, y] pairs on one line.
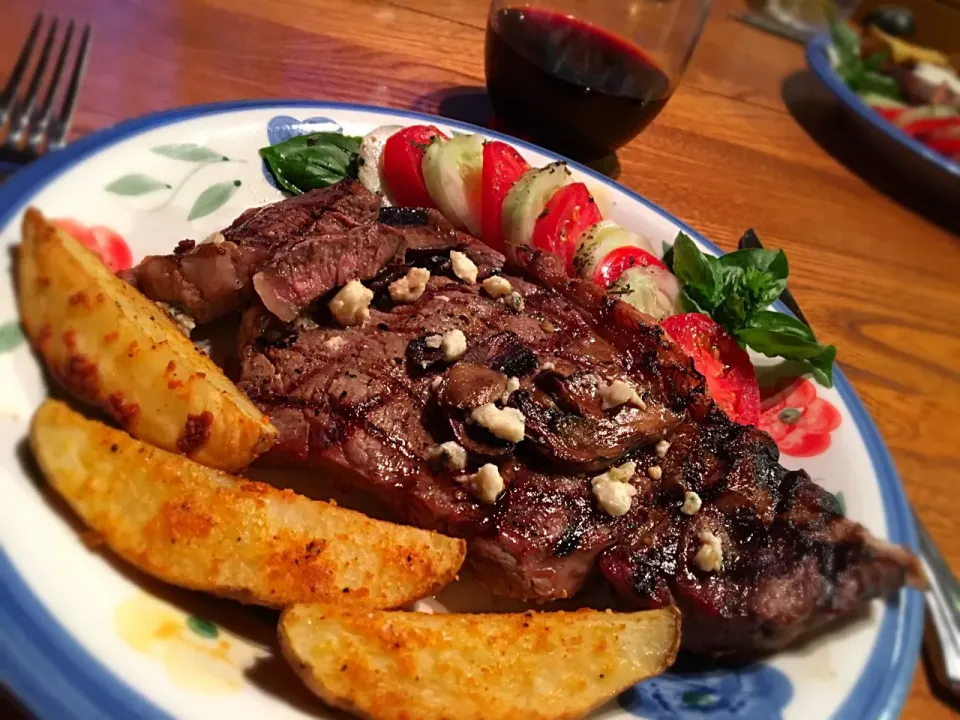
[[943, 601]]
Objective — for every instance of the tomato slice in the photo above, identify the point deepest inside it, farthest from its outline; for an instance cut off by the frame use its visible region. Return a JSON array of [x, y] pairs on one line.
[[502, 166], [945, 146], [623, 258], [567, 214], [925, 126], [725, 365], [403, 165], [889, 113]]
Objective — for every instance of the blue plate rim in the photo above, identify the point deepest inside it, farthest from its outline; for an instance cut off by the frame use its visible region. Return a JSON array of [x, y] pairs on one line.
[[818, 60], [38, 654]]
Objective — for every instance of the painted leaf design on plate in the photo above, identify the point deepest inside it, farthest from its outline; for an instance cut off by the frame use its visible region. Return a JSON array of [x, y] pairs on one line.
[[11, 336], [203, 628], [136, 184], [213, 199], [189, 152]]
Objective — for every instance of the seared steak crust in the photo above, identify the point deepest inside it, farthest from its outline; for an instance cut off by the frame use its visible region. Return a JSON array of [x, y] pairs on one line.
[[209, 280], [374, 402]]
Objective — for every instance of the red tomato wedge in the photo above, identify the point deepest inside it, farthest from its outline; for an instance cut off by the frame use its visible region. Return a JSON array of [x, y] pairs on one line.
[[623, 258], [725, 365], [567, 214], [502, 166], [946, 146], [890, 113], [925, 126], [403, 165]]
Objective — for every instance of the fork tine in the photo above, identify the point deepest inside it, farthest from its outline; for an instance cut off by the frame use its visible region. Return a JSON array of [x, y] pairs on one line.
[[59, 132], [25, 107], [41, 119], [9, 93]]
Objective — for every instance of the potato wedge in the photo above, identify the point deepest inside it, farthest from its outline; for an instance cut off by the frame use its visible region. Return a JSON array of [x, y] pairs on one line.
[[408, 665], [112, 347], [202, 529]]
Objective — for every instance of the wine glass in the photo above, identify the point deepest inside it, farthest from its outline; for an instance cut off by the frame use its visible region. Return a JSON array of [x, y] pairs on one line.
[[583, 77]]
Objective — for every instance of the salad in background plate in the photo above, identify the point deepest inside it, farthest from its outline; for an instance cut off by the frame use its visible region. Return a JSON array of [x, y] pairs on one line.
[[917, 89]]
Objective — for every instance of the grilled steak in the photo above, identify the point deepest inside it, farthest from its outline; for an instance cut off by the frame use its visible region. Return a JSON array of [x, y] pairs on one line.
[[767, 556]]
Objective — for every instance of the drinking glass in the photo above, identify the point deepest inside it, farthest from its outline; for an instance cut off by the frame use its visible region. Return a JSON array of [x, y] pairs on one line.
[[583, 77]]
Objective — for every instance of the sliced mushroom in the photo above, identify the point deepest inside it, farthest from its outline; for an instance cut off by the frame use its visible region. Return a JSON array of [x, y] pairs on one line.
[[465, 387], [565, 428]]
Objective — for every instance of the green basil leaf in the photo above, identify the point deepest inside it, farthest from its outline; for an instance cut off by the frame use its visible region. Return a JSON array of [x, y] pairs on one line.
[[779, 335], [846, 41], [773, 321], [312, 161], [756, 277], [773, 262], [822, 365], [668, 256], [734, 306], [698, 273], [689, 304], [878, 84], [876, 61]]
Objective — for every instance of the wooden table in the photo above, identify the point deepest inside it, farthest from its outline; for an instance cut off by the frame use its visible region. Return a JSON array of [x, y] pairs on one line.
[[749, 139]]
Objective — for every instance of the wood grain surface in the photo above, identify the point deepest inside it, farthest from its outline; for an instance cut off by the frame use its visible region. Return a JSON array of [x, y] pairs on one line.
[[749, 139]]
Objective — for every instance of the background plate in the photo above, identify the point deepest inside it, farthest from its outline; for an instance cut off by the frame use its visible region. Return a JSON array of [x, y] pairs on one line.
[[936, 170]]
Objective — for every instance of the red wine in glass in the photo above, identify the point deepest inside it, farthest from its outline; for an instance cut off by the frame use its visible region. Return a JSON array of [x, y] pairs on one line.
[[567, 84]]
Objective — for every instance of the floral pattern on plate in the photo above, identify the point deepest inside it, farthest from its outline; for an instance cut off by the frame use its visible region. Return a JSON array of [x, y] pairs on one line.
[[196, 654], [758, 692], [799, 420], [11, 336], [200, 157]]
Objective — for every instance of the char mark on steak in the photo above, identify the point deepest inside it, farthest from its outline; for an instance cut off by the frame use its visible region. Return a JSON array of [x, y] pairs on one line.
[[766, 556]]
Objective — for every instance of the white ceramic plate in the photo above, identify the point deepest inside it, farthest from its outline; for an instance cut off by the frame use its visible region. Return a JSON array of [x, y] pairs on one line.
[[82, 636]]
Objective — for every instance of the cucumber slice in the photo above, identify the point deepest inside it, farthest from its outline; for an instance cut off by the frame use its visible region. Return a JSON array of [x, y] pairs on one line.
[[527, 199], [600, 239], [371, 153], [452, 171], [649, 289], [926, 112], [882, 101]]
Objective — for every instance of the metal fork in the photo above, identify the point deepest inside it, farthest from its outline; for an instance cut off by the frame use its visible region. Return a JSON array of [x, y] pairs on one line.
[[32, 128]]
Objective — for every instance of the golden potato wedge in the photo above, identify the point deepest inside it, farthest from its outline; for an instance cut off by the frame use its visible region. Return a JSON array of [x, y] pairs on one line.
[[114, 348], [202, 529], [417, 666]]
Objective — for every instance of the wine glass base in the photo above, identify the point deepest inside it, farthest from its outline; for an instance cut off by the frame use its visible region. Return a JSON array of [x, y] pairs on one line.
[[809, 16]]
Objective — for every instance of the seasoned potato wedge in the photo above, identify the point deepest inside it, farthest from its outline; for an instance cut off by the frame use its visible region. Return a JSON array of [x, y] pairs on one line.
[[114, 348], [202, 529], [408, 665]]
